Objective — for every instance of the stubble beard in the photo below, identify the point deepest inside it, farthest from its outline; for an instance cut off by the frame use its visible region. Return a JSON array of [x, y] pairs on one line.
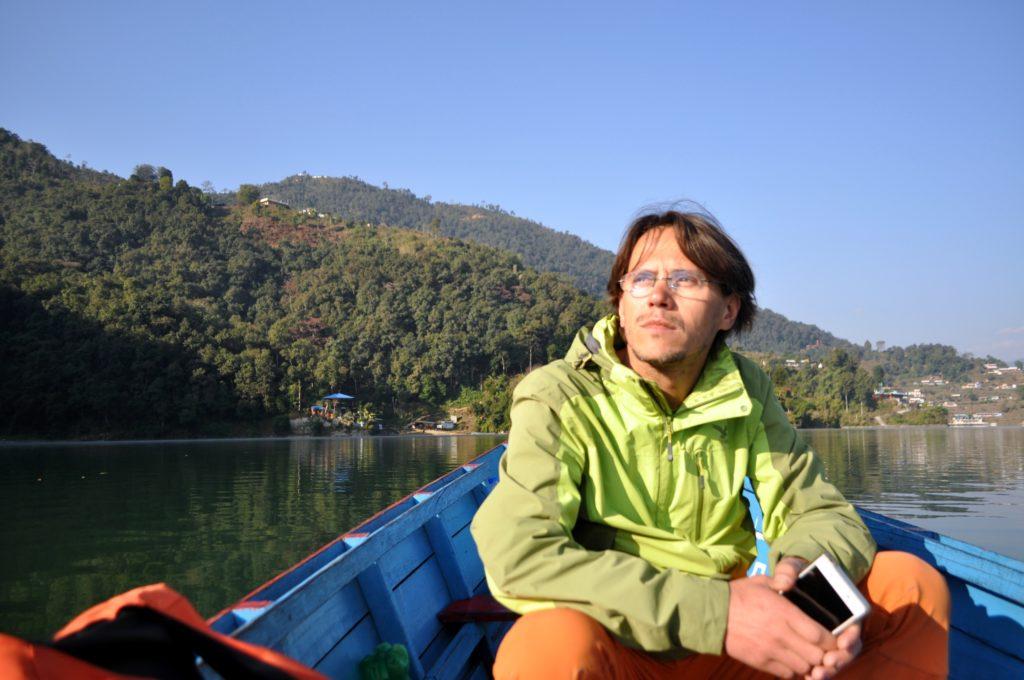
[[667, 359]]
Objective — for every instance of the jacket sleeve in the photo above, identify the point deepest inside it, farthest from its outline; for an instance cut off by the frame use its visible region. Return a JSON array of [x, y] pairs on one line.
[[524, 535], [804, 515]]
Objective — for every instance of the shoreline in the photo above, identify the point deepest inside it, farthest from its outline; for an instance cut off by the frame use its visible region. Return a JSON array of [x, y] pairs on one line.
[[11, 443]]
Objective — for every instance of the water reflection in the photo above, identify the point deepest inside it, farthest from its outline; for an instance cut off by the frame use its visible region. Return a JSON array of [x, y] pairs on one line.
[[212, 519], [215, 519], [968, 483]]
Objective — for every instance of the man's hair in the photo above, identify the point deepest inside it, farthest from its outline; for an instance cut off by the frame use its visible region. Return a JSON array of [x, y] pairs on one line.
[[704, 241]]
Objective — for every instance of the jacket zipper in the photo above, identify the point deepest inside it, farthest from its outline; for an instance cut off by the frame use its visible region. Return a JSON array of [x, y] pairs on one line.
[[698, 525], [700, 494], [668, 432], [664, 489]]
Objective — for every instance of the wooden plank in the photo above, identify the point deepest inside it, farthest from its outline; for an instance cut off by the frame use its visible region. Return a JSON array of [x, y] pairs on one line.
[[468, 557], [289, 579], [437, 646], [441, 481], [452, 662], [387, 615], [996, 573], [343, 660], [456, 520], [479, 672], [495, 633], [987, 592], [458, 515], [970, 658], [418, 600], [405, 557], [449, 562], [386, 515], [478, 608], [311, 639], [994, 576], [992, 618], [305, 598]]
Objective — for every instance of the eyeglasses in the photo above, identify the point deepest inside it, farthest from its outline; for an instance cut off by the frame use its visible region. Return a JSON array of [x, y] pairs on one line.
[[640, 284]]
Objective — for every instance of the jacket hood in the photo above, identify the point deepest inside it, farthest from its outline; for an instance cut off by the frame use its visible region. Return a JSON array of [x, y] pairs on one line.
[[719, 393]]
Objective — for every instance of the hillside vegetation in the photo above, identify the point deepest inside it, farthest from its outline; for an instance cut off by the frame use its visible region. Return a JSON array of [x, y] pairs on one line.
[[136, 307], [142, 307], [541, 248]]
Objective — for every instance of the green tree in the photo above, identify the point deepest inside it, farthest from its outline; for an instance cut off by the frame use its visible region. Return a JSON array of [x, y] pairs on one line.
[[247, 194], [165, 178], [144, 172]]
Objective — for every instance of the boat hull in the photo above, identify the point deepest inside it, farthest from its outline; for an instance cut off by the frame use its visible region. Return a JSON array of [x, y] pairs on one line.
[[389, 578]]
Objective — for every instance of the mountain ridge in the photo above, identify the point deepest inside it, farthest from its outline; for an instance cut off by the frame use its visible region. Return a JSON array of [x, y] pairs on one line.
[[558, 252], [540, 247]]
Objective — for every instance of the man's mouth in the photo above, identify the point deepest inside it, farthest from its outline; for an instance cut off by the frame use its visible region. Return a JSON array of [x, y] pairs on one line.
[[658, 324]]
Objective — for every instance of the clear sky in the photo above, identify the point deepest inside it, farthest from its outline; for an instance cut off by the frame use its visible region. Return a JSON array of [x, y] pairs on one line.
[[867, 156]]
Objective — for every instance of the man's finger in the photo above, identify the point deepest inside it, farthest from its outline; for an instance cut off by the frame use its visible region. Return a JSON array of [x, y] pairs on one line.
[[821, 673], [794, 649], [786, 572], [850, 638], [796, 663], [848, 647], [810, 630]]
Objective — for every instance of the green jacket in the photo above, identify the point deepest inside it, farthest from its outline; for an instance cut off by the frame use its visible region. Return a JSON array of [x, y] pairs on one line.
[[611, 504]]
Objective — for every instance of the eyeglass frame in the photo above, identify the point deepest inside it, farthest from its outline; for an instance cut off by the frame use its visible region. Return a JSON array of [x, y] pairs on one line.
[[675, 290]]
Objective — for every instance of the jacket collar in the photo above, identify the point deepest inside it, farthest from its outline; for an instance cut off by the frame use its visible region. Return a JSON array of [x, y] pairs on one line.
[[718, 395]]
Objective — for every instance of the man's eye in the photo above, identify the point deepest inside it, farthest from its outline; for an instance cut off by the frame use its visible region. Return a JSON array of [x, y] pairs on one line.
[[683, 279], [643, 279]]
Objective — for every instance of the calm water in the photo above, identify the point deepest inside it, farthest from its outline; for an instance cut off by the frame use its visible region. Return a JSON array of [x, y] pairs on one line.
[[214, 519], [967, 483]]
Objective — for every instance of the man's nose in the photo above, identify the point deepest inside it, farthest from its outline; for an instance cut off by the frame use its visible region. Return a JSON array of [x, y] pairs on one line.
[[660, 294]]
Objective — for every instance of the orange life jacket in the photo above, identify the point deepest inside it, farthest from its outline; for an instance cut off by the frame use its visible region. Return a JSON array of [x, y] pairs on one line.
[[149, 632]]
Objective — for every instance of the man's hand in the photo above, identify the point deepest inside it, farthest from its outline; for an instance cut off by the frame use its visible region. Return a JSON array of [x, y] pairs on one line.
[[847, 645], [769, 633], [787, 571]]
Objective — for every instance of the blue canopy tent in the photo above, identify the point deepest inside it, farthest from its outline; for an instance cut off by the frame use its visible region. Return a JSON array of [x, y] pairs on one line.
[[332, 401]]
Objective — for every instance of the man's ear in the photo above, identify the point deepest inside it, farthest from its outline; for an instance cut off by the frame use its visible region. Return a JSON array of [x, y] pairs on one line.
[[732, 310]]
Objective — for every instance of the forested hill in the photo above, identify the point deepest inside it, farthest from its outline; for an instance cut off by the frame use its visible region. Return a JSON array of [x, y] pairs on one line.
[[137, 308], [28, 165], [539, 246], [773, 333], [542, 248]]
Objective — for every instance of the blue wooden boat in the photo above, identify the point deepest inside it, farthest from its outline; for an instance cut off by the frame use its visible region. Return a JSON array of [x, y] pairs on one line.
[[388, 579]]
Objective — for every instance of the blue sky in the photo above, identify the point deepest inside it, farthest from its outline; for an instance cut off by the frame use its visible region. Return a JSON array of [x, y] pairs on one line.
[[868, 157]]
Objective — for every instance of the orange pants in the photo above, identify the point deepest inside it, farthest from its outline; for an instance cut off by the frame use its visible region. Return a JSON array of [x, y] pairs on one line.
[[906, 635]]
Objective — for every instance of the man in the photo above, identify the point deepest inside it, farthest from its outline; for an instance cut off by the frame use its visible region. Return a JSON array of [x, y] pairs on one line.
[[617, 526]]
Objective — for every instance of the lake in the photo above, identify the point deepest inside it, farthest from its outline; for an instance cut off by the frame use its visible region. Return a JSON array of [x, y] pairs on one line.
[[214, 519]]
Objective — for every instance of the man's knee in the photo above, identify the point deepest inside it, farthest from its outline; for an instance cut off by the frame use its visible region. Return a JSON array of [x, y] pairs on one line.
[[559, 642], [898, 579]]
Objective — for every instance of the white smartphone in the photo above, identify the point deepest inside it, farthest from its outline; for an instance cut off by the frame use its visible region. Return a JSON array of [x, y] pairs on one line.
[[824, 592]]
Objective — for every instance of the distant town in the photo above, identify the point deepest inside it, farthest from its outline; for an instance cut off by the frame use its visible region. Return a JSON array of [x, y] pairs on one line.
[[993, 396]]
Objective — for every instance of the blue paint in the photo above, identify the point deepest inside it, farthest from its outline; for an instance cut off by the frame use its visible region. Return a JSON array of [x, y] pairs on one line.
[[388, 584]]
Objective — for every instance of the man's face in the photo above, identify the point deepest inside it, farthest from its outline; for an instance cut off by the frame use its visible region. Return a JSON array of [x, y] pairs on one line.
[[666, 328]]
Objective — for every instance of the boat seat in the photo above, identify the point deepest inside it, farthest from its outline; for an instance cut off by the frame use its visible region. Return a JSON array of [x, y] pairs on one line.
[[474, 619], [476, 609]]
